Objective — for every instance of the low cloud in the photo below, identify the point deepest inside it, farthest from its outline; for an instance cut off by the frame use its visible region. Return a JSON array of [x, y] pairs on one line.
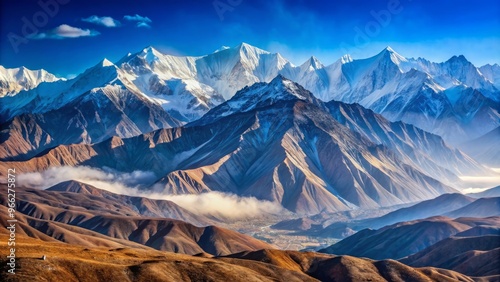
[[140, 20], [477, 184], [104, 21], [55, 175], [227, 205], [211, 203], [65, 31], [481, 181], [473, 190]]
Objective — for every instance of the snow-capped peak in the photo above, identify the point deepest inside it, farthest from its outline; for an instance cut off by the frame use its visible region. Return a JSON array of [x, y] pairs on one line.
[[150, 54], [104, 71], [313, 63], [389, 49], [106, 63], [346, 59], [458, 60], [492, 73], [17, 79], [280, 88], [261, 95], [388, 52], [247, 49]]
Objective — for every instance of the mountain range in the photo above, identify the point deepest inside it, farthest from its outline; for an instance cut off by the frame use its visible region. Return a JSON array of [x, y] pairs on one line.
[[453, 99], [383, 142], [406, 238], [275, 141], [343, 225], [148, 90], [15, 80], [76, 213], [475, 255]]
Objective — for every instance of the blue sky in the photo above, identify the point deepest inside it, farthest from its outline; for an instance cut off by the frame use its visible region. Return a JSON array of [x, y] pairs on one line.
[[73, 35]]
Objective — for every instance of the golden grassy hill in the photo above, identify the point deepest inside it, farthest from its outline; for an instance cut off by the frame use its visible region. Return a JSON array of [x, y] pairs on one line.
[[75, 263]]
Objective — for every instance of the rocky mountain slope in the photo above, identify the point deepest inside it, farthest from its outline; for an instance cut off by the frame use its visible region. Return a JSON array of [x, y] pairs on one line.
[[91, 221], [405, 238], [273, 141], [474, 256]]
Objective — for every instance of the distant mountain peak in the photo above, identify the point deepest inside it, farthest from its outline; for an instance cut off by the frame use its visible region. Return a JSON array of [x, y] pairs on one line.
[[459, 59], [278, 89], [14, 80], [149, 49], [389, 49], [244, 45], [259, 95], [346, 59], [314, 63], [389, 53], [247, 48], [106, 63], [280, 80], [150, 54]]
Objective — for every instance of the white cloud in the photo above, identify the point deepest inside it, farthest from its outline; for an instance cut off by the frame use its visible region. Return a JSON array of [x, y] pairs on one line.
[[55, 175], [221, 204], [143, 24], [65, 31], [104, 21], [71, 75], [485, 181], [141, 21], [211, 203], [137, 18], [473, 190]]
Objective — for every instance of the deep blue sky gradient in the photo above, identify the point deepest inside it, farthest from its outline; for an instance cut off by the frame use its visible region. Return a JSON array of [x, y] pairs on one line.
[[297, 29]]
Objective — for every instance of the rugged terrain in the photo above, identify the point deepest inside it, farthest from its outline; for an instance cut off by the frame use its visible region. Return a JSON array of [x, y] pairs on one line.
[[73, 263]]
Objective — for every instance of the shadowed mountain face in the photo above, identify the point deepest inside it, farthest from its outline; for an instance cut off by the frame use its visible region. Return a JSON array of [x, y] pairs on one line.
[[405, 238], [341, 225], [485, 148], [492, 192], [91, 217], [94, 117], [272, 141], [474, 256], [450, 205], [480, 208], [418, 148], [441, 205], [74, 263]]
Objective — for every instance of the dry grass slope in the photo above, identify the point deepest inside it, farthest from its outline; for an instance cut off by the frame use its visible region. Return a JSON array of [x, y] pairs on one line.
[[74, 263]]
